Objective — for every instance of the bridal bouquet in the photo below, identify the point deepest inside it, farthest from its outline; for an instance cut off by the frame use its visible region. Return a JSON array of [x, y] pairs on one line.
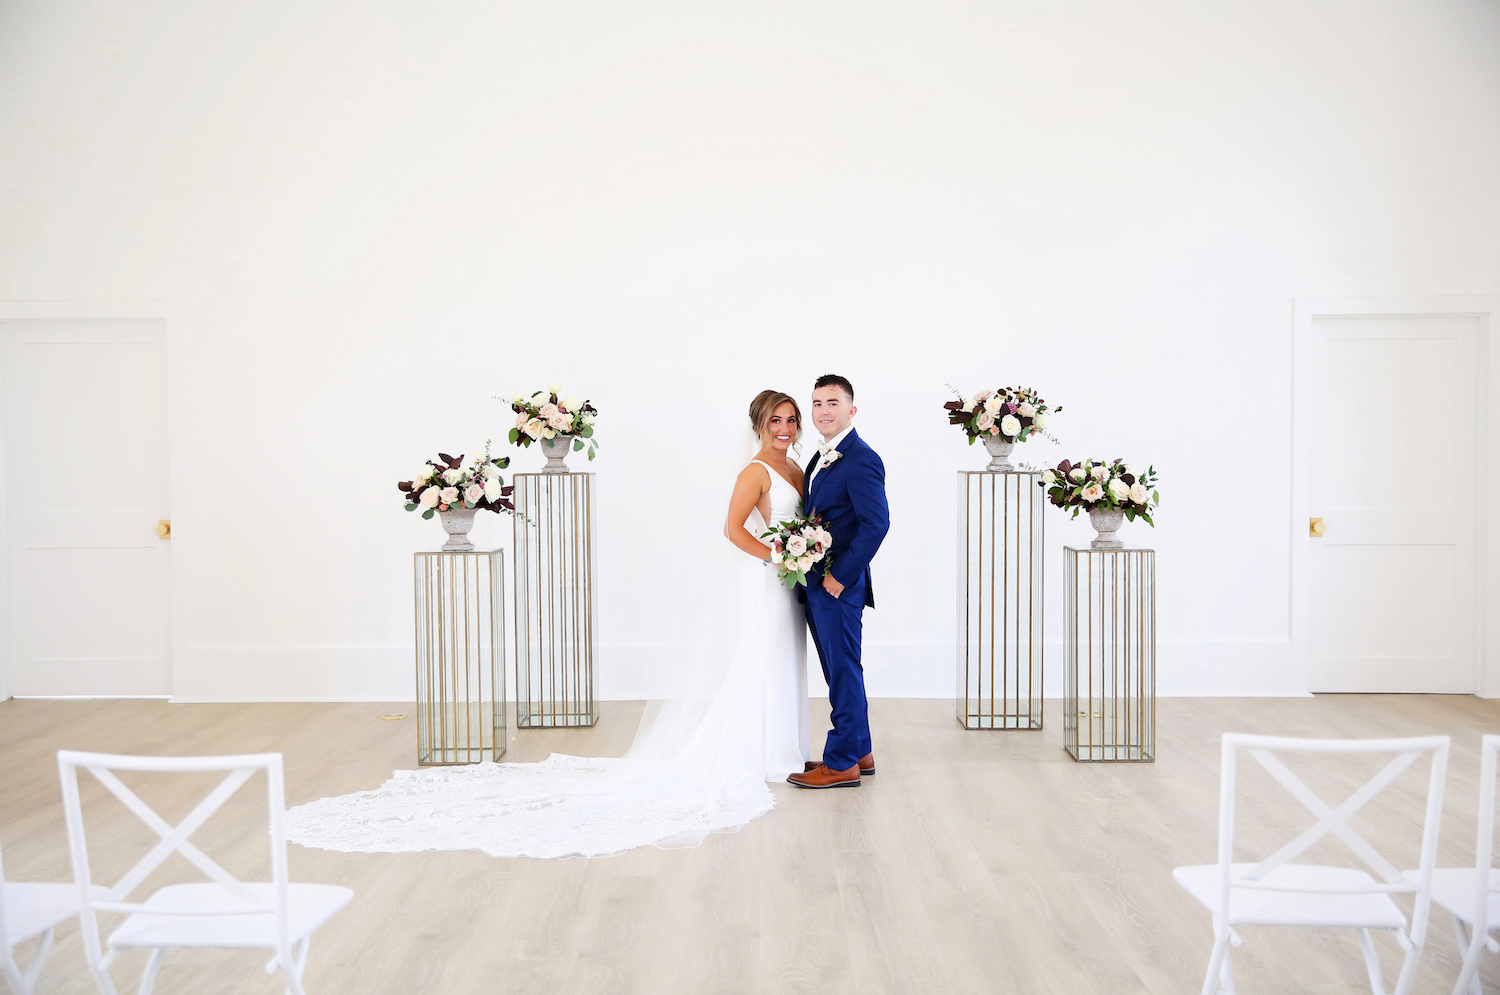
[[1012, 413], [1094, 485], [796, 546], [445, 484], [547, 415]]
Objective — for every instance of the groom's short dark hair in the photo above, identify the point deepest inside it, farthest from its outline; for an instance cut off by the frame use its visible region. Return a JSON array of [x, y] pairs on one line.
[[834, 380]]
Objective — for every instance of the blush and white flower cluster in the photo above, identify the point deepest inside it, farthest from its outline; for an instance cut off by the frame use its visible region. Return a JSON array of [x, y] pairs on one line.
[[1093, 483], [445, 484], [548, 414], [796, 546], [1012, 413]]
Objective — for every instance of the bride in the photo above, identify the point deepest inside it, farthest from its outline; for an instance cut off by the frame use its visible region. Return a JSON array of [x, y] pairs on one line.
[[699, 767]]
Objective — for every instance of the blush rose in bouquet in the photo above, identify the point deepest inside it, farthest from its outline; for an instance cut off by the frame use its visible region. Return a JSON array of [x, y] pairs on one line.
[[1013, 414], [445, 484], [1094, 485], [549, 414], [797, 545]]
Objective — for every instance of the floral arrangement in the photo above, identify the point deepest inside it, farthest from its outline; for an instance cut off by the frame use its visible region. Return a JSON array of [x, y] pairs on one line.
[[1013, 413], [445, 484], [796, 546], [547, 414], [1094, 484]]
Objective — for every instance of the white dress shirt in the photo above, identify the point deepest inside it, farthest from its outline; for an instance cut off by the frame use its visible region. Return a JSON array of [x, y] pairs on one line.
[[832, 443]]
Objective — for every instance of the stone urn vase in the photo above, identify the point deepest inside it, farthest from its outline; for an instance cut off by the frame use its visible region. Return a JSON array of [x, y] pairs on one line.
[[999, 449], [457, 522], [556, 450], [1107, 522]]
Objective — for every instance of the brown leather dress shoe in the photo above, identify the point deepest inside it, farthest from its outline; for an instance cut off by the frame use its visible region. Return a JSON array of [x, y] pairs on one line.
[[821, 777], [867, 765]]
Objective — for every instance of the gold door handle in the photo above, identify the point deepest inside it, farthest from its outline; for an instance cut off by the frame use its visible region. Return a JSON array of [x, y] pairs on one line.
[[1315, 526], [164, 529]]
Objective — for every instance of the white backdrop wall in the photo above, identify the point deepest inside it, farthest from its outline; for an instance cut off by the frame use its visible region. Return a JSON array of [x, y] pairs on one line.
[[379, 215]]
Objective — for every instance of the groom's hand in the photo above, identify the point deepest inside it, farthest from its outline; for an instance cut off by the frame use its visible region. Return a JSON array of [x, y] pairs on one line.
[[832, 586]]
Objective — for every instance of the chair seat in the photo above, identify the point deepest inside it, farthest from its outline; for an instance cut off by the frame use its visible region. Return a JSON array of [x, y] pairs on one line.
[[1254, 907], [311, 905], [1453, 889], [32, 909]]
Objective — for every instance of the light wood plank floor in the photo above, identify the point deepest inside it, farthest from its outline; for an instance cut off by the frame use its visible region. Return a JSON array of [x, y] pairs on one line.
[[973, 862]]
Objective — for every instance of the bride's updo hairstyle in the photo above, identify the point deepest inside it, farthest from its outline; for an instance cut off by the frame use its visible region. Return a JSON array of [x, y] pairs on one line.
[[765, 405]]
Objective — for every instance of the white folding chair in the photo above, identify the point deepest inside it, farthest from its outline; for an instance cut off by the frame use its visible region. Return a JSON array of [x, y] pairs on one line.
[[1277, 892], [28, 911], [1472, 894], [221, 914]]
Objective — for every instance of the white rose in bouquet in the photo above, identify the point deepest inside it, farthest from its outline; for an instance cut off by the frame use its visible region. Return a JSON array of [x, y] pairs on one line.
[[493, 489], [539, 398], [1093, 492], [1049, 478], [428, 499], [517, 398], [555, 388], [1119, 490], [549, 433], [1076, 475], [547, 411], [559, 421], [969, 406], [449, 496], [994, 403], [534, 428], [984, 421], [1026, 409], [521, 419], [1099, 473], [452, 476], [473, 493], [1010, 426], [426, 472], [570, 404], [982, 396], [805, 563], [1138, 493], [588, 419], [796, 546], [490, 471], [775, 556], [1040, 421]]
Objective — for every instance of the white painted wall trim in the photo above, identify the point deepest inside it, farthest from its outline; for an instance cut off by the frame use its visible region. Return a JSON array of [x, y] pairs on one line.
[[171, 314], [1487, 563]]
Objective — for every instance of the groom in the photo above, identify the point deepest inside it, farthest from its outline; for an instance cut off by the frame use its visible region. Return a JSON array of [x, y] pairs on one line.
[[845, 484]]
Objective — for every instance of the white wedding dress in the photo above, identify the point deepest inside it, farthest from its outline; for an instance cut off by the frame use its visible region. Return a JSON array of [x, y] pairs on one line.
[[700, 767]]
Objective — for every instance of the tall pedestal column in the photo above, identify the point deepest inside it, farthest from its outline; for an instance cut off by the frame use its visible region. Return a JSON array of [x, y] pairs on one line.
[[1109, 653], [1000, 600], [557, 642], [460, 656]]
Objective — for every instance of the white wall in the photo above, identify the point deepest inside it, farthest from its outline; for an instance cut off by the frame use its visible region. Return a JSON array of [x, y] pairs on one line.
[[378, 215]]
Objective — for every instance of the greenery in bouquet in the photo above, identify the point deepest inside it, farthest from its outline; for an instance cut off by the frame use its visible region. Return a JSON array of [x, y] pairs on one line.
[[548, 414], [1094, 484], [445, 484], [796, 546], [1012, 413]]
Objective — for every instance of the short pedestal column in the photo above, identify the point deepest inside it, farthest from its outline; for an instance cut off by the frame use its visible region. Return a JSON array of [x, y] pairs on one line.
[[1109, 653], [460, 656], [557, 639], [999, 600]]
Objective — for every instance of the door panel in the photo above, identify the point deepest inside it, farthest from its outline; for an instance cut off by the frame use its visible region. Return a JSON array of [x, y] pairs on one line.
[[1393, 441], [85, 471]]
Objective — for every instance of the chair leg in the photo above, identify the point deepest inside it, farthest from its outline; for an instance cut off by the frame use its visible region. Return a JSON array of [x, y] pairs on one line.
[[1473, 951], [148, 979], [12, 973], [293, 971], [1218, 968], [1372, 962]]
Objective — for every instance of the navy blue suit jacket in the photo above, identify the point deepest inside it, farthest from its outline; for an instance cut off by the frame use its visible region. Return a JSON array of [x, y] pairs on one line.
[[850, 495]]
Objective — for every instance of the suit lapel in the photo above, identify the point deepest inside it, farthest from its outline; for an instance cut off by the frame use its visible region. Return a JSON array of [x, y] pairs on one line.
[[848, 441]]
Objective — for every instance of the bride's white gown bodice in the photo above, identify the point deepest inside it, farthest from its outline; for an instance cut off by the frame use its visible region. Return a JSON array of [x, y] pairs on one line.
[[701, 767]]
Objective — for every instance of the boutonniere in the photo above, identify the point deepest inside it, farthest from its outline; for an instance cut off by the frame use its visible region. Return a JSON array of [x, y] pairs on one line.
[[831, 457]]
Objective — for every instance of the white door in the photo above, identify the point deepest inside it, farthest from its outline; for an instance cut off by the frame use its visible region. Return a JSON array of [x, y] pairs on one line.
[[85, 448], [1393, 445]]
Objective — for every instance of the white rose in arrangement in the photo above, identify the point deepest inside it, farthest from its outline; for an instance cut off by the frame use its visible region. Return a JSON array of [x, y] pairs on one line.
[[826, 538], [796, 546], [1010, 426], [521, 419], [1026, 410], [588, 419], [775, 556], [994, 403], [969, 406], [490, 471], [539, 398], [533, 427], [559, 421], [1076, 475], [1119, 490], [1099, 473], [452, 476], [426, 473], [494, 490], [449, 495], [1049, 478], [473, 493], [1040, 421], [571, 403], [549, 433], [984, 421], [1093, 492], [1138, 493], [555, 388], [805, 563], [982, 396], [547, 411], [428, 499], [517, 397]]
